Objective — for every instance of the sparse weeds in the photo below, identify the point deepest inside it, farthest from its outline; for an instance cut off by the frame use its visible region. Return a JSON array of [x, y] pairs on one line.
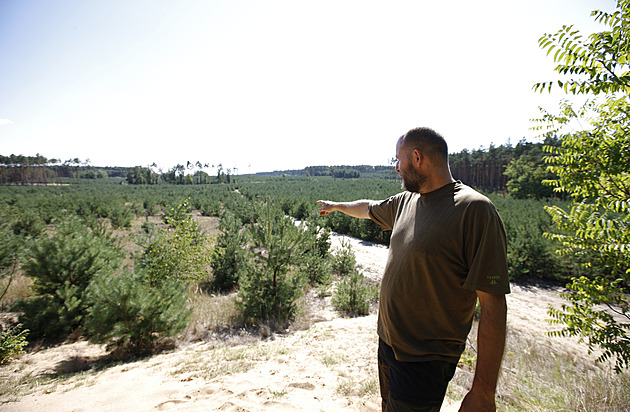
[[211, 313], [348, 386], [16, 382], [333, 359], [278, 394], [209, 363], [559, 381], [535, 376]]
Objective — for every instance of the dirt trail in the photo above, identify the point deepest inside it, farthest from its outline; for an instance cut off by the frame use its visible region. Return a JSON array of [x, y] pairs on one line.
[[331, 366]]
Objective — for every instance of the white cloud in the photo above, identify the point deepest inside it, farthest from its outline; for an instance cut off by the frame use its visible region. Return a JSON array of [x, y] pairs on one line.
[[5, 121]]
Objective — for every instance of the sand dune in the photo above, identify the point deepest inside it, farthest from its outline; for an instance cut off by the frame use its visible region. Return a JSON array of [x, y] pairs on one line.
[[329, 367]]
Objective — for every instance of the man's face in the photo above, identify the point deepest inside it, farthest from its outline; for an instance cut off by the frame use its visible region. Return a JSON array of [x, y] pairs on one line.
[[412, 180]]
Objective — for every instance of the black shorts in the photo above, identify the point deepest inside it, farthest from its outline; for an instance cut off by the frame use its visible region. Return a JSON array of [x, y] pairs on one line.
[[412, 386]]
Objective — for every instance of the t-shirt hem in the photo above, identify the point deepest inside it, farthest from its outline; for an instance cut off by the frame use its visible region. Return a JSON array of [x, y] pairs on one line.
[[403, 357]]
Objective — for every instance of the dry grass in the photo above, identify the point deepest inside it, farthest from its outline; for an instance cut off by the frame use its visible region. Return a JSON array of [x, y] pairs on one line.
[[348, 386], [209, 364], [537, 376], [211, 314], [19, 288]]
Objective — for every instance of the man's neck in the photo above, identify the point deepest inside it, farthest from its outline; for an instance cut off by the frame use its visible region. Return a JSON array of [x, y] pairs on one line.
[[436, 182]]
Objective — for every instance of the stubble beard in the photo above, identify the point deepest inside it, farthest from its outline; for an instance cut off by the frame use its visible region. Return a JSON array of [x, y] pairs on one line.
[[412, 182]]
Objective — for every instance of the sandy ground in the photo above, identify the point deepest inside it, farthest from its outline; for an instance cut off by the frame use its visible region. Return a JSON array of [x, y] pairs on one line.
[[329, 367]]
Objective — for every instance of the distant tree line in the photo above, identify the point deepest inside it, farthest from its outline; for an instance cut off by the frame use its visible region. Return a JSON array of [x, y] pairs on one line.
[[189, 174], [28, 170], [345, 172], [517, 169]]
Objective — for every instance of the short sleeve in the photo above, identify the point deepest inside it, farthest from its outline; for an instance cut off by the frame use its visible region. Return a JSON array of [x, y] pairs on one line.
[[486, 250], [383, 212]]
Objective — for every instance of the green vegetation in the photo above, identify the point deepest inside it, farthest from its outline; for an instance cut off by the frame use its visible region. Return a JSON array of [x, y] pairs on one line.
[[593, 167], [354, 295], [131, 313], [12, 342], [229, 254], [258, 252], [91, 270], [178, 251], [62, 266], [270, 284]]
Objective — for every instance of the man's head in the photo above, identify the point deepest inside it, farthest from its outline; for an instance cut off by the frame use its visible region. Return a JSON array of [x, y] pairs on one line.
[[422, 157], [428, 142]]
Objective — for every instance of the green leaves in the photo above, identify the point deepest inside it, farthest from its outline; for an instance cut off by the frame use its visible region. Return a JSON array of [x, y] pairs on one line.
[[12, 342], [593, 166], [229, 254], [179, 251], [62, 267], [526, 174], [592, 316], [600, 63]]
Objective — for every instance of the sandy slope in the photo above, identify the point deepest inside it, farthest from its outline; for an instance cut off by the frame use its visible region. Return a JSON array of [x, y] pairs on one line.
[[329, 367]]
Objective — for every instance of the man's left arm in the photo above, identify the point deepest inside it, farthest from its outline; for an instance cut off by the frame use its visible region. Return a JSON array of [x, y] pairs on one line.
[[490, 346]]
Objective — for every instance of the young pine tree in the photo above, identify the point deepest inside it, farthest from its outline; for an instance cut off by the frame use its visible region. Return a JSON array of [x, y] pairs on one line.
[[132, 315], [271, 284], [62, 266], [229, 254], [353, 295]]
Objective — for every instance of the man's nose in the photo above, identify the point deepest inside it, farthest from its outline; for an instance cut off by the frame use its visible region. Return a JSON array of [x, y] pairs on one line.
[[397, 168]]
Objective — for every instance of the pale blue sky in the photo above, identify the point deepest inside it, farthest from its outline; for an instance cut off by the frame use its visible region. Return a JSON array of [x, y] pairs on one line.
[[264, 85]]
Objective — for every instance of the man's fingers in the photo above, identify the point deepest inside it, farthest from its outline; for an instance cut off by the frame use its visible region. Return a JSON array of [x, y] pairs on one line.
[[325, 205]]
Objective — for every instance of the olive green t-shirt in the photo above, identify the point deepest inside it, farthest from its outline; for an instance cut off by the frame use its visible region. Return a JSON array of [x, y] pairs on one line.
[[444, 245]]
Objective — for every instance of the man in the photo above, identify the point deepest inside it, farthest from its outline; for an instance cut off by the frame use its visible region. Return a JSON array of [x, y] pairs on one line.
[[447, 249]]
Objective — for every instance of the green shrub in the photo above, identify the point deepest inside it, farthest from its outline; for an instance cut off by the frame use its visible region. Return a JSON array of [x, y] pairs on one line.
[[302, 210], [531, 255], [271, 284], [343, 259], [121, 216], [62, 266], [316, 260], [321, 239], [8, 256], [28, 223], [241, 208], [353, 295], [150, 207], [316, 269], [211, 208], [179, 251], [12, 342], [229, 254], [269, 297], [131, 315]]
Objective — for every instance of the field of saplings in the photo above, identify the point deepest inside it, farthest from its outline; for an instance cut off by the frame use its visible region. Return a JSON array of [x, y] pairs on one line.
[[120, 263]]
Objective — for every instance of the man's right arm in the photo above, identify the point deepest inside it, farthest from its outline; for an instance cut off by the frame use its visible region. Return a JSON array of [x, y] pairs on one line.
[[358, 208]]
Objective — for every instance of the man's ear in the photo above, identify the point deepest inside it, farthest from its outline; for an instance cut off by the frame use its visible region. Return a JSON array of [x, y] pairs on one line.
[[416, 157]]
